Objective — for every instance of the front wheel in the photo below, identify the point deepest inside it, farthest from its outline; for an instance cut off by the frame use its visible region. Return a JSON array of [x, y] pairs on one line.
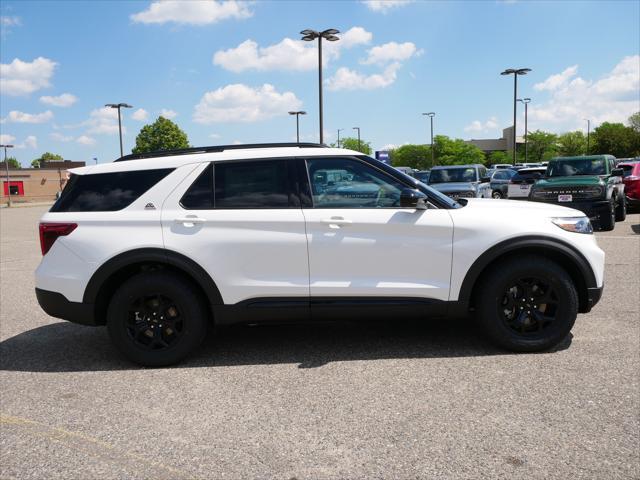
[[496, 194], [527, 304], [607, 218], [621, 209], [157, 319]]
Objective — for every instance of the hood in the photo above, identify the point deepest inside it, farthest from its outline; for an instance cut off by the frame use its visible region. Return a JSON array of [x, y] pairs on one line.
[[518, 207], [454, 186], [574, 180]]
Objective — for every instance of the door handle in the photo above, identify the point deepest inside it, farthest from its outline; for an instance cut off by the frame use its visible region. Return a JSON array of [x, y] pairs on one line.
[[336, 222], [190, 221]]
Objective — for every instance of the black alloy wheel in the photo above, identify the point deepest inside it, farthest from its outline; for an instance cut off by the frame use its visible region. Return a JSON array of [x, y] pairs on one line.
[[154, 322], [529, 305]]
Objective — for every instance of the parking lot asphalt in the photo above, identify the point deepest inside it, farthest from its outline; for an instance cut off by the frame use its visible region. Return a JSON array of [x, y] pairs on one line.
[[386, 400]]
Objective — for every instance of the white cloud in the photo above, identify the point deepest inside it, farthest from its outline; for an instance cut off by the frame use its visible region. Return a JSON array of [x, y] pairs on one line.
[[558, 80], [288, 54], [6, 21], [241, 103], [58, 137], [140, 115], [168, 114], [193, 12], [85, 140], [383, 6], [21, 117], [31, 142], [215, 136], [613, 98], [490, 126], [390, 52], [346, 79], [23, 78], [6, 139], [103, 120], [64, 100]]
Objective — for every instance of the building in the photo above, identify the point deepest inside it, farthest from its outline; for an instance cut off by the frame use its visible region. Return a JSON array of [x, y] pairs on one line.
[[504, 144], [35, 184]]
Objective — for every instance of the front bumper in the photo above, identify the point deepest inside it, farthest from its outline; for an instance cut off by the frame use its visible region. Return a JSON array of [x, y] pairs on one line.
[[56, 305], [593, 297], [593, 210]]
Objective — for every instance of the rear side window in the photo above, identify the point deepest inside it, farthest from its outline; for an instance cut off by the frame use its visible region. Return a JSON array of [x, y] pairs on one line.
[[106, 192], [255, 184], [200, 193]]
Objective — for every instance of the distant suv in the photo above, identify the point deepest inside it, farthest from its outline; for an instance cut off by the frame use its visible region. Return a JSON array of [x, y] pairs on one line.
[[631, 180], [461, 181], [160, 247], [592, 184]]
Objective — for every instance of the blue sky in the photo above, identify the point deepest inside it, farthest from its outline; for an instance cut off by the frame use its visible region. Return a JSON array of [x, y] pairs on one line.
[[228, 72]]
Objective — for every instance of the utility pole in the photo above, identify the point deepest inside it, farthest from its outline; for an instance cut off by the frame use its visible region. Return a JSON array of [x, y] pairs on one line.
[[515, 72], [339, 130], [6, 163], [433, 158], [359, 142], [297, 114], [588, 132], [119, 106], [526, 131]]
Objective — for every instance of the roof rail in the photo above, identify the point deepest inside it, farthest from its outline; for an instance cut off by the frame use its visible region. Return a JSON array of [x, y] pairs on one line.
[[214, 148]]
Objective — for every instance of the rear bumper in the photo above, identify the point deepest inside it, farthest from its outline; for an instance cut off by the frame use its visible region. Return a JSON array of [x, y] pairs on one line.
[[56, 305]]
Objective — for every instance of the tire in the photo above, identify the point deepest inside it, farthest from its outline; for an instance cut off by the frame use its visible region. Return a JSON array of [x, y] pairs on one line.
[[608, 219], [496, 194], [621, 209], [138, 309], [501, 311]]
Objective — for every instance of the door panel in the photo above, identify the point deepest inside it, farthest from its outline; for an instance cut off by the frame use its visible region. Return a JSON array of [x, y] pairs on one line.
[[361, 243], [248, 252]]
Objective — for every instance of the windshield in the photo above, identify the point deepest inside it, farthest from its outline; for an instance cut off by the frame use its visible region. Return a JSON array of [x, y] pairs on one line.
[[450, 175], [579, 166]]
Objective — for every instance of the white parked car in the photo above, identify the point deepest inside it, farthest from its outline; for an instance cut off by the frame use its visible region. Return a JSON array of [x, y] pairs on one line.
[[158, 247], [520, 184]]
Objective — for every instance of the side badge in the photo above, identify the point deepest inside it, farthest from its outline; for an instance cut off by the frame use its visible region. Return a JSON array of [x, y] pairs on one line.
[[149, 206]]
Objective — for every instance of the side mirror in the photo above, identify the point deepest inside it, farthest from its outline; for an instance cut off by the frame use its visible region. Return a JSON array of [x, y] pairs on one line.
[[485, 179], [411, 198], [617, 172]]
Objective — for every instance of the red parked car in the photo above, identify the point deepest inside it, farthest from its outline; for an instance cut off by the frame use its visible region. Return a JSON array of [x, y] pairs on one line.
[[631, 181]]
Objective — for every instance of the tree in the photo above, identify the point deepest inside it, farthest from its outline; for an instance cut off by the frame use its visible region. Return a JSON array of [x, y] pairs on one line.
[[414, 156], [13, 163], [614, 139], [48, 156], [571, 144], [541, 146], [634, 122], [456, 151], [499, 157], [162, 134], [352, 144]]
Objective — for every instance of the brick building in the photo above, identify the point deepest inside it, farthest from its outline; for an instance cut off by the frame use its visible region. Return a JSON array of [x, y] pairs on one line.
[[35, 184]]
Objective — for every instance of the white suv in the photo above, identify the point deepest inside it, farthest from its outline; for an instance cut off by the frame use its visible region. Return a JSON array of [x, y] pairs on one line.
[[158, 247]]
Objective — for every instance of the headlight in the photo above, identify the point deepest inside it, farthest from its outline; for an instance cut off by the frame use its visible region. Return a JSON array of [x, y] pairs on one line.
[[573, 224]]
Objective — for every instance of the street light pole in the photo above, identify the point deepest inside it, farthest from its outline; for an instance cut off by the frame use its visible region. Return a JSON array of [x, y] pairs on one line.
[[119, 106], [359, 143], [431, 115], [309, 36], [526, 131], [297, 114], [339, 130], [588, 132], [6, 164], [515, 72]]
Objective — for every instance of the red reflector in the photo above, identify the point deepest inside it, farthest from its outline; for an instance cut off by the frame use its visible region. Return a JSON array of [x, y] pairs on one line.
[[49, 233]]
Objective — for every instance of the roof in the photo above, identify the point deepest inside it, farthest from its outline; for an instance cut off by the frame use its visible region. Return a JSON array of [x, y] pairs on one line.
[[212, 154], [475, 165], [582, 157]]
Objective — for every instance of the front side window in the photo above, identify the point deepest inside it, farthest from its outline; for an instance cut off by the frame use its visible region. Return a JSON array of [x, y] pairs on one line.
[[453, 174], [349, 183], [251, 184]]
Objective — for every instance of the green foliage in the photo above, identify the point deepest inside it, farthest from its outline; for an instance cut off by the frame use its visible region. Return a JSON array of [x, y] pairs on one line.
[[500, 157], [456, 152], [13, 163], [163, 134], [571, 144], [352, 144], [414, 156], [35, 163], [615, 139], [634, 122], [48, 156], [541, 146]]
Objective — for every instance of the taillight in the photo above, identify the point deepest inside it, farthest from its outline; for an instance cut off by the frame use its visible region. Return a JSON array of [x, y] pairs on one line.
[[49, 233]]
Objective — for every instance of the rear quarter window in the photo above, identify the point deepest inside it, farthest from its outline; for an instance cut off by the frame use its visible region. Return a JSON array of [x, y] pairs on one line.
[[106, 192]]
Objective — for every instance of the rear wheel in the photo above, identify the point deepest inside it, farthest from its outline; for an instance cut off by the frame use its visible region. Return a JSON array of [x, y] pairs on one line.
[[527, 304], [156, 319], [496, 194], [608, 218], [621, 209]]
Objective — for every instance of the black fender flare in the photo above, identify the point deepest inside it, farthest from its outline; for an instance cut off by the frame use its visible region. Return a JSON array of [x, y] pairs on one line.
[[538, 244], [151, 256]]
